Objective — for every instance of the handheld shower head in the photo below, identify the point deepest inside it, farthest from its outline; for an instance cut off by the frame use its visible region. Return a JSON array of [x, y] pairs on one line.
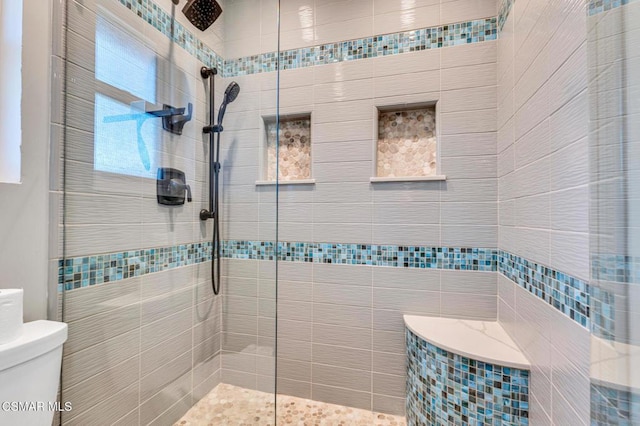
[[201, 13], [230, 95]]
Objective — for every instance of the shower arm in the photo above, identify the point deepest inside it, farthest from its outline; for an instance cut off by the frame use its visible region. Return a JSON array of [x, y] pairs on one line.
[[214, 166]]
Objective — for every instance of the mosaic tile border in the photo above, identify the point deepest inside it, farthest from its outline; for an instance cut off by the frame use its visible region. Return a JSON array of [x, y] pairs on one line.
[[446, 388], [612, 406], [87, 271], [454, 34], [452, 258], [174, 30], [503, 13], [615, 268], [603, 320], [567, 294], [595, 7], [607, 270]]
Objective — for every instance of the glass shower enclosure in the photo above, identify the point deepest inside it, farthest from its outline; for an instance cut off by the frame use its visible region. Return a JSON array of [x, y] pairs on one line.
[[148, 338]]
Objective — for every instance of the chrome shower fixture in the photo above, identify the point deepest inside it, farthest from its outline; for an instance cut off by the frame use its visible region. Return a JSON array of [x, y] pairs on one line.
[[201, 13]]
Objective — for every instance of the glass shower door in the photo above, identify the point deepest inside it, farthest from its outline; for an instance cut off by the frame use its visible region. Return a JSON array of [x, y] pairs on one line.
[[149, 340], [615, 208]]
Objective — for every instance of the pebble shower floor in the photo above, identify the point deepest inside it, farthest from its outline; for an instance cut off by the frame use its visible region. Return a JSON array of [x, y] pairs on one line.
[[232, 405]]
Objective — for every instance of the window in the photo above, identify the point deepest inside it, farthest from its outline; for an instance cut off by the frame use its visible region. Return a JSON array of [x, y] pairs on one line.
[[125, 69], [10, 89]]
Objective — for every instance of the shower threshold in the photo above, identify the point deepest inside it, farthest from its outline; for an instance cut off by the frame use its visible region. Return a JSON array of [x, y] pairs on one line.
[[232, 405]]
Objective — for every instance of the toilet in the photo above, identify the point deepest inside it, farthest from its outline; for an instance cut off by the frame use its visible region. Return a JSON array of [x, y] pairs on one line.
[[30, 374]]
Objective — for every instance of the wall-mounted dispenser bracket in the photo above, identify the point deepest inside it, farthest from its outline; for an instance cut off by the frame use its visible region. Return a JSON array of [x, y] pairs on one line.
[[173, 119], [171, 186], [175, 122]]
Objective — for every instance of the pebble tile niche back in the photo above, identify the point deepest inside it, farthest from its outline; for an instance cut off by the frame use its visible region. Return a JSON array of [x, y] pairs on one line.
[[288, 149], [407, 143]]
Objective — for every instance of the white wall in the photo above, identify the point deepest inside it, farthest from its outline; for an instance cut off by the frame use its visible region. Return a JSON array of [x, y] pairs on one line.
[[24, 213], [543, 193]]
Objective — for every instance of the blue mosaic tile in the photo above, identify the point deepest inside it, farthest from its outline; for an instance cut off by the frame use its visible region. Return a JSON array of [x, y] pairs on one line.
[[607, 269], [99, 269], [598, 6], [422, 257], [454, 34], [589, 306], [503, 13], [444, 388], [613, 406], [157, 17], [615, 268], [104, 268], [603, 320], [567, 294], [368, 47]]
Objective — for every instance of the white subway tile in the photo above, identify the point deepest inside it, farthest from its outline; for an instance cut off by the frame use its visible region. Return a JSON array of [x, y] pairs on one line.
[[469, 76], [469, 54], [465, 10], [408, 19]]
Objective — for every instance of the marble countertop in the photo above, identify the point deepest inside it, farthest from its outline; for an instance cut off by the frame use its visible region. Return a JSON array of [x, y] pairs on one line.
[[480, 340]]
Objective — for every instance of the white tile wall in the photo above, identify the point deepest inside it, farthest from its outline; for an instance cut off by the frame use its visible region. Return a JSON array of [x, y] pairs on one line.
[[543, 196], [144, 349], [333, 325], [516, 116]]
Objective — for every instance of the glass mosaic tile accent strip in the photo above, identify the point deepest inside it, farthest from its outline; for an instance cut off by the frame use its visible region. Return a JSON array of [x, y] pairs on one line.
[[615, 268], [613, 407], [369, 47], [602, 307], [295, 148], [174, 30], [407, 142], [598, 6], [567, 294], [454, 258], [454, 34], [99, 269], [607, 269], [503, 13], [444, 388], [104, 268]]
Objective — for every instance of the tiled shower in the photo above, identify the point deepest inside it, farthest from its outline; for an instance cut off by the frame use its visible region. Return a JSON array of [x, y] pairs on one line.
[[464, 159]]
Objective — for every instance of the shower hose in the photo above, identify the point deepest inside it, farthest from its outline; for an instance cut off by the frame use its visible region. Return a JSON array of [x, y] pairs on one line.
[[215, 244]]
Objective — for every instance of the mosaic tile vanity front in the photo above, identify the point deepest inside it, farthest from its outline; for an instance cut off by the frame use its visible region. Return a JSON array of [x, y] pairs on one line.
[[444, 388]]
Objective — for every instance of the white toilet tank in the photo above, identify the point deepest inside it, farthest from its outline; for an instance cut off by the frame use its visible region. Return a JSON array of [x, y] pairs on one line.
[[30, 373]]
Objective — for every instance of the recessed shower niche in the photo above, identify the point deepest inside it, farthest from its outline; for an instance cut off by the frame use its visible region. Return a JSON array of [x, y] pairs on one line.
[[294, 153], [407, 143]]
